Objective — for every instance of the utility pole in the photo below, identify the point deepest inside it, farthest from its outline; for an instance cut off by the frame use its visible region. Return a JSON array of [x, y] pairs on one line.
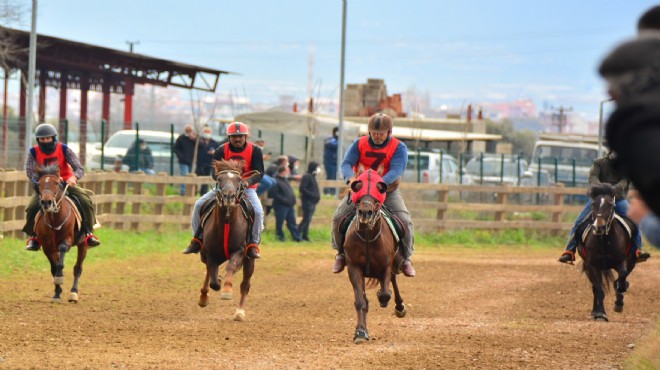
[[130, 45], [340, 154], [559, 118], [32, 62]]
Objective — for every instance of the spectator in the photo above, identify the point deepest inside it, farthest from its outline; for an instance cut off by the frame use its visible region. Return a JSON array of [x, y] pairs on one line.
[[205, 150], [184, 148], [267, 181], [293, 168], [144, 161], [330, 146], [649, 223], [310, 196], [282, 160], [284, 202]]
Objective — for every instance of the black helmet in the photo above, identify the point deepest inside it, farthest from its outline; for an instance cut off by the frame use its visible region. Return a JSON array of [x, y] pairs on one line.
[[45, 130]]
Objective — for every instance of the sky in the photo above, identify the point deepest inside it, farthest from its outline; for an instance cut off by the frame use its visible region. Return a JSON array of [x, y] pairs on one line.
[[457, 51]]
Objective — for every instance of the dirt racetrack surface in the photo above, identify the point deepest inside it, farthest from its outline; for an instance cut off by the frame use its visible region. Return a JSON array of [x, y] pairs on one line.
[[466, 309]]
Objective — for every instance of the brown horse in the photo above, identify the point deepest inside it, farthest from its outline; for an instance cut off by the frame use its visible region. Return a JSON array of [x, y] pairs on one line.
[[370, 249], [226, 233], [606, 246], [56, 229]]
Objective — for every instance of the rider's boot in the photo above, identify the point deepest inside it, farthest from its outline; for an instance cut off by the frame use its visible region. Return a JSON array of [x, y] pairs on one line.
[[252, 251], [196, 243], [642, 256], [340, 263], [567, 257], [403, 264], [92, 241], [32, 244]]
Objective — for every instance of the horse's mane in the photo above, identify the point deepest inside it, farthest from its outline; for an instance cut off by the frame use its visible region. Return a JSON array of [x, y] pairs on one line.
[[601, 189], [51, 169], [230, 165]]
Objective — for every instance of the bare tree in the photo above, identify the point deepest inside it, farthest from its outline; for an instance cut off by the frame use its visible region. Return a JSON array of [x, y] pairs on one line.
[[199, 114]]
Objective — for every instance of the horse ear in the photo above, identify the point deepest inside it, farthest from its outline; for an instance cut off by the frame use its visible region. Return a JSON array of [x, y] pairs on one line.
[[381, 186], [356, 186]]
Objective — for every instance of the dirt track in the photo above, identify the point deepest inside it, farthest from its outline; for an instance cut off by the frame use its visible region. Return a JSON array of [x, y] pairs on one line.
[[466, 308]]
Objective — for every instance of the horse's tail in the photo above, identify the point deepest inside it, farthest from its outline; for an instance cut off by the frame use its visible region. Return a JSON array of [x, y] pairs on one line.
[[607, 277]]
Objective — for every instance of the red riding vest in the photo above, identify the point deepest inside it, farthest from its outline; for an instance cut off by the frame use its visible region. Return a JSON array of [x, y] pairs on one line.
[[371, 157], [245, 156], [58, 156]]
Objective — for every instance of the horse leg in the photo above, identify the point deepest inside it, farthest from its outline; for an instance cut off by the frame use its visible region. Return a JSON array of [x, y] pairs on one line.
[[77, 271], [227, 291], [621, 286], [52, 258], [399, 307], [384, 294], [58, 276], [361, 304], [204, 296], [598, 311], [248, 270], [212, 271]]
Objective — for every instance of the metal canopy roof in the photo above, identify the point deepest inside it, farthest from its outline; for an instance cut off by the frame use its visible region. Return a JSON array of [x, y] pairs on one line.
[[78, 63]]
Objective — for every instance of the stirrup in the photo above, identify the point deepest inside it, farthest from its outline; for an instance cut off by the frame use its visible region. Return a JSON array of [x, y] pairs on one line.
[[32, 244], [567, 257], [194, 247], [252, 251], [92, 241], [642, 256]]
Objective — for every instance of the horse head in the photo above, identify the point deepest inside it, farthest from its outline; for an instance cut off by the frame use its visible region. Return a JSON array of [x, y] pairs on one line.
[[368, 196], [50, 188], [602, 211], [229, 185]]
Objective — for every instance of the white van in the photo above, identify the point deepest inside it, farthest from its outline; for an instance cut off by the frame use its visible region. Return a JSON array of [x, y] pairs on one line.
[[427, 169], [115, 148], [569, 160]]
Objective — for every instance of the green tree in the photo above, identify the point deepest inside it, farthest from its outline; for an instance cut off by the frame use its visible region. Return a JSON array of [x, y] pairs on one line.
[[522, 141]]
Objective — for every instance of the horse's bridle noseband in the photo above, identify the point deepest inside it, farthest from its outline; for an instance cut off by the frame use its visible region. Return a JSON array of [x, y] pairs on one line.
[[55, 206], [608, 222], [218, 190], [373, 219]]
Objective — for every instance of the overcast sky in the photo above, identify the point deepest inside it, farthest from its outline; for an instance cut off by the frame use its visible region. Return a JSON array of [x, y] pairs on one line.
[[457, 50]]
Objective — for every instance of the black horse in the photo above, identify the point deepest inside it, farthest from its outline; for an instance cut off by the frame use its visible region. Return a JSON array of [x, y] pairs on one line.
[[605, 245]]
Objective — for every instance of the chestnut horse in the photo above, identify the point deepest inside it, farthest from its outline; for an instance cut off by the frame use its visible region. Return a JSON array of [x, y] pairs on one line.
[[370, 249], [56, 228], [226, 233], [606, 246]]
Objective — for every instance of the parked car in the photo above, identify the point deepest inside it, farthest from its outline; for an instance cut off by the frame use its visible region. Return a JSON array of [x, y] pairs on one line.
[[494, 171], [115, 148], [427, 169]]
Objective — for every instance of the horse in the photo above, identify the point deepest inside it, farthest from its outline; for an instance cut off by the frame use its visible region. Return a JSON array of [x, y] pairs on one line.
[[226, 234], [57, 227], [370, 250], [606, 246]]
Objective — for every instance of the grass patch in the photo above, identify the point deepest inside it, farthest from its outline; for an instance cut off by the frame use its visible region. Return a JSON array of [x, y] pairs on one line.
[[646, 355]]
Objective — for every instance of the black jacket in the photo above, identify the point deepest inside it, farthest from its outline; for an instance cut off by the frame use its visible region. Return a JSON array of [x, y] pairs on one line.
[[204, 159], [309, 188], [282, 193], [184, 148], [145, 159]]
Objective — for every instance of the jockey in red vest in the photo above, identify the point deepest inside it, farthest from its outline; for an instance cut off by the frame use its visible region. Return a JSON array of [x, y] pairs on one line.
[[46, 152], [378, 149], [253, 160]]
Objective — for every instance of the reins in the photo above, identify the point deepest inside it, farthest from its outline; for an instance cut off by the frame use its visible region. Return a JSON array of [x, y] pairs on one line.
[[55, 208]]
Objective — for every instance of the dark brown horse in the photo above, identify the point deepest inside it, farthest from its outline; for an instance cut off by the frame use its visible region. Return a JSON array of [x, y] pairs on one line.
[[370, 249], [226, 233], [606, 247], [57, 227]]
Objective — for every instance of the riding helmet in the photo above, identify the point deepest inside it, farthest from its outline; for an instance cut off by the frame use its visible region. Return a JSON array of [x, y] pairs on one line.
[[380, 122], [45, 130], [237, 128]]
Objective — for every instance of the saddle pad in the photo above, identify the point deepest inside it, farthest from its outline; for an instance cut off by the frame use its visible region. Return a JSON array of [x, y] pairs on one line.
[[349, 220], [76, 213]]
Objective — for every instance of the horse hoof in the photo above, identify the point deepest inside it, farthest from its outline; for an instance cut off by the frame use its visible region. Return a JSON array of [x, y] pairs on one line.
[[56, 300], [401, 313], [361, 336], [618, 308], [73, 297], [215, 287], [58, 280], [239, 315], [203, 302], [226, 294]]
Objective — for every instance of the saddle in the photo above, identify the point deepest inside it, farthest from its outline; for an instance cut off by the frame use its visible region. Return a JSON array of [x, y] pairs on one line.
[[395, 224], [210, 204], [587, 225], [76, 214]]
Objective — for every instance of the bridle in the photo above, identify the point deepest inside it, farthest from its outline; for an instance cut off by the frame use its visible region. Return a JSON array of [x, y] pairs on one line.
[[608, 218], [55, 205], [372, 219], [228, 202]]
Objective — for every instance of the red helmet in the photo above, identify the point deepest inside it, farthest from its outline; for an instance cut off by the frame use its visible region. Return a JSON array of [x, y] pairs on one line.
[[237, 128]]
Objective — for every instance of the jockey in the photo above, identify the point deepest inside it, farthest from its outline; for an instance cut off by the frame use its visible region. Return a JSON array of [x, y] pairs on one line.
[[602, 171], [237, 148], [47, 151], [376, 149]]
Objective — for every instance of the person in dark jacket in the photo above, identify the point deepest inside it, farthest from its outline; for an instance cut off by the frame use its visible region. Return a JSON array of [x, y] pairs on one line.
[[184, 148], [205, 150], [284, 203], [330, 146], [145, 160], [310, 196]]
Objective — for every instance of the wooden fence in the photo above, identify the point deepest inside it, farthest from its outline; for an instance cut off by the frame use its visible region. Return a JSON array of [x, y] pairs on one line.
[[137, 202]]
